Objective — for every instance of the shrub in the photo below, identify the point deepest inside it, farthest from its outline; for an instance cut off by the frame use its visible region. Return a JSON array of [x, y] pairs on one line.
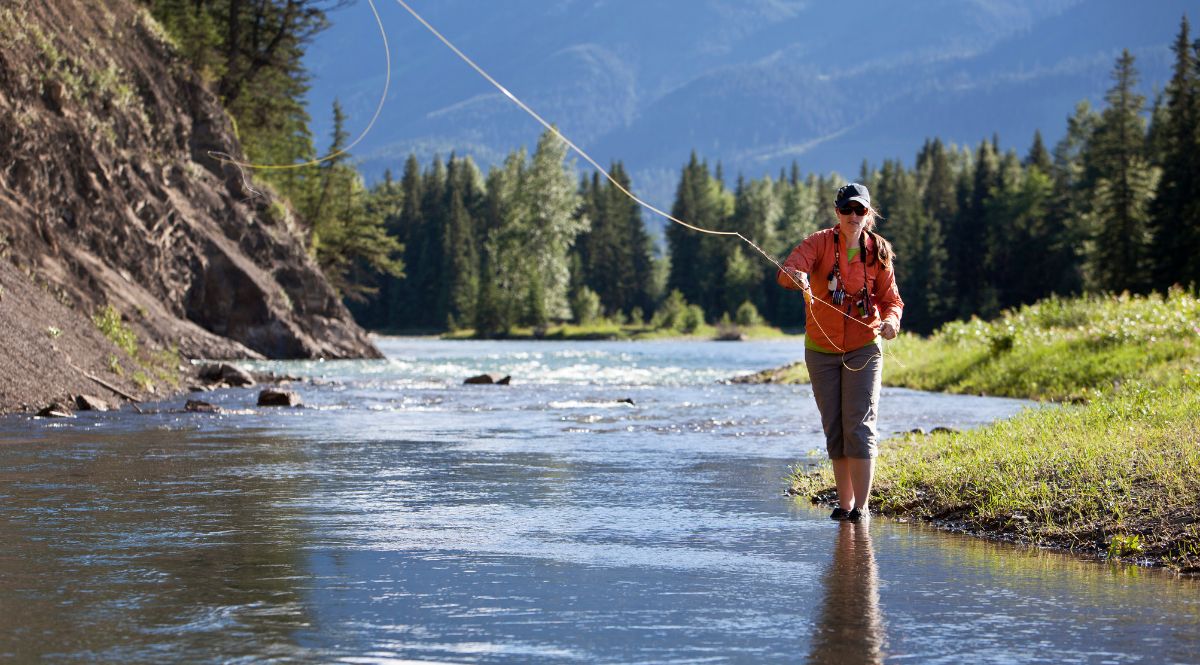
[[637, 317], [670, 314], [693, 318], [747, 315], [586, 306], [108, 321]]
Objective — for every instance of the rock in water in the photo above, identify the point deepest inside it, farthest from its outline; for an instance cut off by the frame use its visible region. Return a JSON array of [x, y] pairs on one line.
[[198, 406], [490, 379], [226, 373], [89, 403], [271, 397], [55, 410]]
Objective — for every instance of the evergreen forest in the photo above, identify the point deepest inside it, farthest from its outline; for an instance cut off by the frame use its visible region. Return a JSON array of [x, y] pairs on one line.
[[1113, 206]]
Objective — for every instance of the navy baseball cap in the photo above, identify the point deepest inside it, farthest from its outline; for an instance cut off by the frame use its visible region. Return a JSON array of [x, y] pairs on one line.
[[853, 192]]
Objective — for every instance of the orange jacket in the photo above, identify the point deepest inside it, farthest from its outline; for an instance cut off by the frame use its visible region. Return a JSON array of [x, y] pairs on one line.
[[827, 325]]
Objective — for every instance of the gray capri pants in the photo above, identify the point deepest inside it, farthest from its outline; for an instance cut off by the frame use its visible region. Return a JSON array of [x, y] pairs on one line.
[[848, 400]]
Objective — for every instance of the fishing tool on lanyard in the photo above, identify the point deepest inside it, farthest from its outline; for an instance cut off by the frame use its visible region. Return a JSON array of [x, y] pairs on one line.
[[837, 290]]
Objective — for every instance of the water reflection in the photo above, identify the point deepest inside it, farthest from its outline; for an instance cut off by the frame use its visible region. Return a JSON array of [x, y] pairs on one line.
[[397, 518], [118, 548], [849, 621]]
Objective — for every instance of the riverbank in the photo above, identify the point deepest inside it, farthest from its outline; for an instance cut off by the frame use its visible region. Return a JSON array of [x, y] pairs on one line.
[[114, 212], [1109, 472], [54, 352], [610, 331]]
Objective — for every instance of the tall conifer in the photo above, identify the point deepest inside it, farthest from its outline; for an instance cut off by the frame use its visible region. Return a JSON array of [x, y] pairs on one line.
[[1124, 186], [1175, 213]]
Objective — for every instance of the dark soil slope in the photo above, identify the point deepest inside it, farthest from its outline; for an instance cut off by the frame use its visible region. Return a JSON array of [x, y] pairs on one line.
[[109, 196]]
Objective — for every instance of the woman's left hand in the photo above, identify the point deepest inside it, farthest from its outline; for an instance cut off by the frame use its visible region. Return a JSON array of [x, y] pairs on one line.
[[887, 330]]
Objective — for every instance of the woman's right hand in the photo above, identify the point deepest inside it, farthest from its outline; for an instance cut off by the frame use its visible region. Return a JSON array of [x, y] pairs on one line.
[[798, 277]]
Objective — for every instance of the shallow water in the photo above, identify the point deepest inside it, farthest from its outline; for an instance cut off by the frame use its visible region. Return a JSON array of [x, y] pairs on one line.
[[402, 516]]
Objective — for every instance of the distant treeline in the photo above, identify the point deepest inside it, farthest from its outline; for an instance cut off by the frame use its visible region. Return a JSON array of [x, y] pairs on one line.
[[1113, 206]]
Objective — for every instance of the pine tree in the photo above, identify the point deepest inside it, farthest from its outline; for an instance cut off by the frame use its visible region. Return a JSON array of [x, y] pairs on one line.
[[600, 248], [1039, 157], [797, 217], [428, 287], [459, 259], [741, 279], [1124, 186], [1045, 260], [588, 213], [757, 210], [639, 285], [1072, 199], [404, 308], [939, 192], [253, 51], [500, 271], [384, 202], [350, 244], [920, 250], [967, 236], [684, 244], [330, 172], [628, 266], [1175, 212], [797, 220], [1003, 240]]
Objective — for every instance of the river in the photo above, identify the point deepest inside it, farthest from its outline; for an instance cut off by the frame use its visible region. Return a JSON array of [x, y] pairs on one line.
[[401, 516]]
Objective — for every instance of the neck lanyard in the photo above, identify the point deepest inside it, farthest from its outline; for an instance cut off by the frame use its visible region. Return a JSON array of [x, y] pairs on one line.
[[837, 292]]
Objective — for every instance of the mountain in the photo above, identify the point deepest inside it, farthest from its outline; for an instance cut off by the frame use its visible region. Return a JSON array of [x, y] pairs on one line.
[[754, 84]]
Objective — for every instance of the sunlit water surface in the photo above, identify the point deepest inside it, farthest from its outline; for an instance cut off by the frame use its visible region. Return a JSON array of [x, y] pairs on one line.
[[402, 516]]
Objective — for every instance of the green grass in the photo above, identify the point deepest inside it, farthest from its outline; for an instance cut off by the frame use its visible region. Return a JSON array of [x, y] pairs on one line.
[[161, 364], [1112, 473], [1116, 476], [108, 322], [1057, 349]]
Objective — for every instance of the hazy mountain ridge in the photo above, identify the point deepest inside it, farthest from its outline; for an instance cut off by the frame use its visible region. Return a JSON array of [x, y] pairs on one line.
[[754, 84]]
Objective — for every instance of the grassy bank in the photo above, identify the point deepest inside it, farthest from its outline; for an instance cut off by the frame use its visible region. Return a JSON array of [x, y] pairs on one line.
[[1111, 472]]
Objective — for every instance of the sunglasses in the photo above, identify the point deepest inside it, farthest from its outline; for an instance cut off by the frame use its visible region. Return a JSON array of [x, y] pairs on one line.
[[857, 209]]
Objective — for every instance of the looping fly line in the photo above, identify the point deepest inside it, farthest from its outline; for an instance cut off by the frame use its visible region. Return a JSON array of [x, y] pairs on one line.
[[549, 127], [228, 159]]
